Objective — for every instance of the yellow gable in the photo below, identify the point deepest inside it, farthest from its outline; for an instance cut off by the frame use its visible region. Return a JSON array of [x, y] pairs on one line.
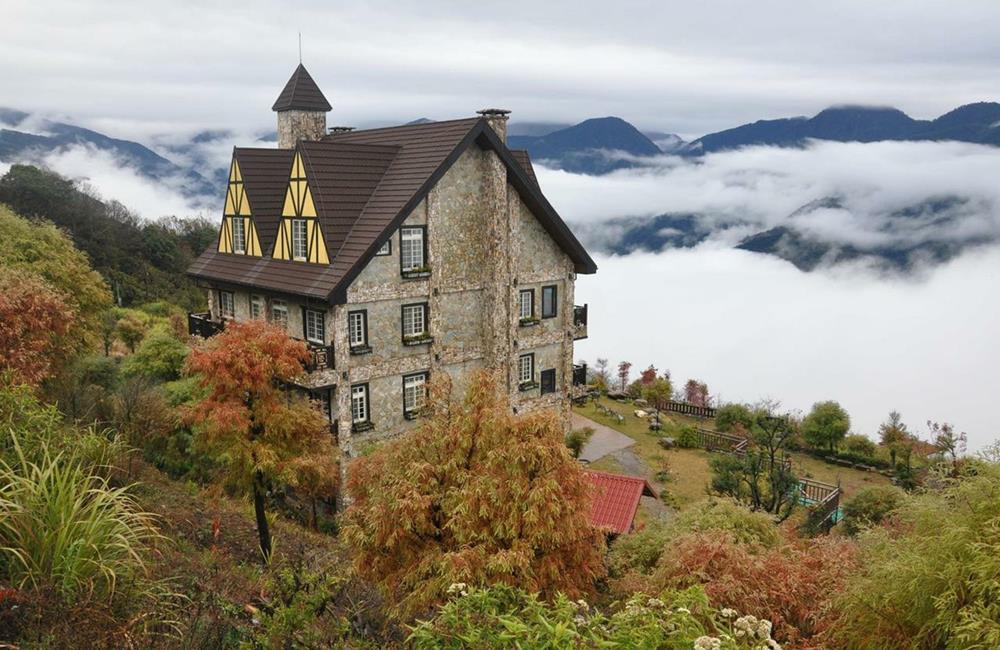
[[300, 236]]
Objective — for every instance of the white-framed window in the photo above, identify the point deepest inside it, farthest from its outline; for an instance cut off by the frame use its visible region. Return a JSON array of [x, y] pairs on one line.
[[359, 403], [239, 236], [386, 248], [314, 326], [411, 248], [414, 320], [357, 328], [549, 295], [526, 303], [256, 307], [414, 392], [227, 304], [300, 246], [279, 313], [526, 368]]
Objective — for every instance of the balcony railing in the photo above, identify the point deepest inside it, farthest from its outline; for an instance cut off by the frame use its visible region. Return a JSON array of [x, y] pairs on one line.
[[201, 324], [320, 357], [579, 322], [580, 374]]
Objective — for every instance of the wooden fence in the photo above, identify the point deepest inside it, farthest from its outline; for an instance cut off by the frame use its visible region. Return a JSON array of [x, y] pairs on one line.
[[684, 408]]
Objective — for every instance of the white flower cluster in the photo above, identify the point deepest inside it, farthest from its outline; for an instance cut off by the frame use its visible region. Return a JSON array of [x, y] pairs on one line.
[[459, 588], [751, 628], [727, 612], [707, 643]]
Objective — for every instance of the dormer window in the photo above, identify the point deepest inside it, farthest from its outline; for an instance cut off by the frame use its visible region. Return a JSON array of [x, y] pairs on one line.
[[299, 241], [239, 236]]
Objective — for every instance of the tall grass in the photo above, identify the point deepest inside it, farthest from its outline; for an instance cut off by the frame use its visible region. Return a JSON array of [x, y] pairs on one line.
[[62, 526]]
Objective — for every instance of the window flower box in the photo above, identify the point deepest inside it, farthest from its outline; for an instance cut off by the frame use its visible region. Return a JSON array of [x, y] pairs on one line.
[[422, 339], [360, 427], [417, 273], [358, 350], [412, 415], [529, 321], [527, 385]]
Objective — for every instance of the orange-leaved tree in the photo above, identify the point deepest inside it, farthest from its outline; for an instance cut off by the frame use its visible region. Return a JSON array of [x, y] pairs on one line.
[[33, 319], [248, 416], [474, 495]]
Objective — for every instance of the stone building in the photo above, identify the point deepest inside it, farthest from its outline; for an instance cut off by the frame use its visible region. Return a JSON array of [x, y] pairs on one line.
[[397, 253]]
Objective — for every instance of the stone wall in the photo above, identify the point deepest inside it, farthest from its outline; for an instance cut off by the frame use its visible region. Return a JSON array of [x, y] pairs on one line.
[[300, 125]]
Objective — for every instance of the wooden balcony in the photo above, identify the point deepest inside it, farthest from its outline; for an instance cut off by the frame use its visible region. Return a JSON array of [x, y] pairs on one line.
[[201, 324], [320, 357], [579, 322]]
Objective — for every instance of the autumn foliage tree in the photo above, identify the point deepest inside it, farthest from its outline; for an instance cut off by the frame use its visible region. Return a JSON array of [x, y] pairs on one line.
[[33, 319], [696, 392], [624, 368], [474, 495], [261, 431]]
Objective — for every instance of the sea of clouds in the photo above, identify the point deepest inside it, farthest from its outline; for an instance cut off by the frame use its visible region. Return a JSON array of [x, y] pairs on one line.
[[754, 326]]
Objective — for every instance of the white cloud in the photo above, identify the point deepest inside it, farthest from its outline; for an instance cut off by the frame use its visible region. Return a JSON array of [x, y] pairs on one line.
[[103, 173], [754, 326], [765, 186]]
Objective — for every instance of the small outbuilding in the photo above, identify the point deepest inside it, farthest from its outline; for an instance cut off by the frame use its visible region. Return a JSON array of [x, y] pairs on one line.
[[616, 499]]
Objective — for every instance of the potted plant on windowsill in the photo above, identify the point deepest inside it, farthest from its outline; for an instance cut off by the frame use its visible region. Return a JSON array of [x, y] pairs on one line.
[[418, 339], [529, 321], [359, 427], [527, 385], [418, 272], [358, 350]]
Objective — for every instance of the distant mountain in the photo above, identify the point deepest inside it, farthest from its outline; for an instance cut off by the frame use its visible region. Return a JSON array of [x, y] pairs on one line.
[[665, 142], [535, 128], [807, 251], [594, 146], [49, 137], [978, 123]]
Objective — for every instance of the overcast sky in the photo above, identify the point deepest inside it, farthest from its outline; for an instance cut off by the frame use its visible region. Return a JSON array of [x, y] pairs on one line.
[[136, 68]]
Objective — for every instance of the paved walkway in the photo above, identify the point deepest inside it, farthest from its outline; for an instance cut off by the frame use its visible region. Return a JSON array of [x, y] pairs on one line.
[[604, 441]]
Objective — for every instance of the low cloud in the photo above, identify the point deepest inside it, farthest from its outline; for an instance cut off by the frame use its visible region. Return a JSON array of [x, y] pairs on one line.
[[877, 194], [753, 326]]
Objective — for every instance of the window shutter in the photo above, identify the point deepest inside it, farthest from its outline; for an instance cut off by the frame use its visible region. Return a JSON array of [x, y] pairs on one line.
[[305, 327]]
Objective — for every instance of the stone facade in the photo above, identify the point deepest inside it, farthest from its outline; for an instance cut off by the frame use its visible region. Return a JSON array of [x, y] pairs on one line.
[[300, 125], [483, 247]]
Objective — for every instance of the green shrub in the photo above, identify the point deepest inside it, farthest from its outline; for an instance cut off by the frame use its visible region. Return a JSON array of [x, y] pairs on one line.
[[160, 356], [503, 617], [638, 551], [870, 506], [688, 438], [577, 439], [62, 527], [161, 309], [183, 391], [732, 416], [932, 580], [860, 445]]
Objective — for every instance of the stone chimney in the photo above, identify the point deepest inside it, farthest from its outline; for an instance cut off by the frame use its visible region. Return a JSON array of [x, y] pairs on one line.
[[301, 109], [497, 119]]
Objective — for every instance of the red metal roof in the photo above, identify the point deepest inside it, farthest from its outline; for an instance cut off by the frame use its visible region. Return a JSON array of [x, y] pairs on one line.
[[616, 498]]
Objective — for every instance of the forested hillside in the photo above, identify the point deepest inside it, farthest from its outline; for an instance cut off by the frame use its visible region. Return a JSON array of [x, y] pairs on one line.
[[142, 260]]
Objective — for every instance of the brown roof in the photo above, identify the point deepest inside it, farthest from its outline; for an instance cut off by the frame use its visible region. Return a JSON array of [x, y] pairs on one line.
[[265, 177], [523, 159], [365, 183], [301, 94]]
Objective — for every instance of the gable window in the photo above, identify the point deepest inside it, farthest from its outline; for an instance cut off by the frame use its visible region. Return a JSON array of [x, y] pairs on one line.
[[357, 331], [526, 370], [279, 313], [411, 249], [314, 326], [548, 381], [299, 243], [227, 305], [360, 412], [239, 236], [549, 295], [386, 248], [415, 323], [414, 394], [256, 307]]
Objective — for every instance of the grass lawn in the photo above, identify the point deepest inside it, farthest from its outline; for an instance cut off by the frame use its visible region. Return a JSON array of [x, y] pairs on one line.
[[689, 468]]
